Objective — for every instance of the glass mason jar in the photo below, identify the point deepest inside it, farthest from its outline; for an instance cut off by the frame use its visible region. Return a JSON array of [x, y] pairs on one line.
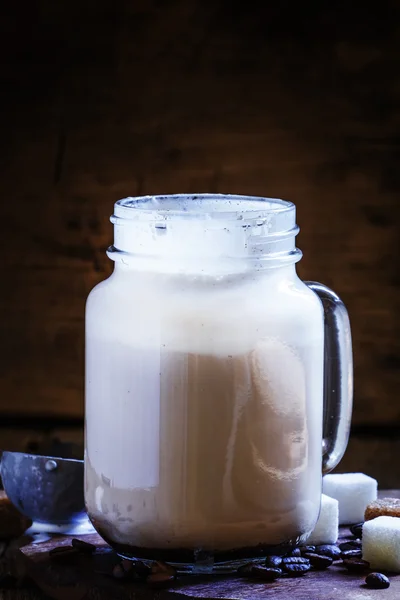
[[218, 384]]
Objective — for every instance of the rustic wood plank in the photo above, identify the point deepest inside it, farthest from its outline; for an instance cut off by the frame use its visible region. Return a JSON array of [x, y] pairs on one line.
[[334, 584]]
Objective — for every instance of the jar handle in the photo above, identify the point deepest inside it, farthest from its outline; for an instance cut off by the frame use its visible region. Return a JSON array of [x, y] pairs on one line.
[[338, 376]]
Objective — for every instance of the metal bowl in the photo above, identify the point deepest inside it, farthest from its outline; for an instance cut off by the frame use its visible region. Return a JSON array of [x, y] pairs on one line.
[[46, 489]]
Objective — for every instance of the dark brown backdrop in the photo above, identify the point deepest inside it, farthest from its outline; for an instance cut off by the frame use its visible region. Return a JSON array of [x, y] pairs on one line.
[[292, 99]]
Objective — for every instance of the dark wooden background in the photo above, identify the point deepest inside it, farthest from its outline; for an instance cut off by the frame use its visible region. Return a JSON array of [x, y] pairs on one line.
[[106, 99]]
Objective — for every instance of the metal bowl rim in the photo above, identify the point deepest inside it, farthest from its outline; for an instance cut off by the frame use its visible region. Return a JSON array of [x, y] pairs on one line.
[[25, 455]]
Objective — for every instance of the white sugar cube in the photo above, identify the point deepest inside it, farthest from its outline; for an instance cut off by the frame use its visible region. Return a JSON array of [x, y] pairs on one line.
[[326, 530], [381, 543], [353, 492]]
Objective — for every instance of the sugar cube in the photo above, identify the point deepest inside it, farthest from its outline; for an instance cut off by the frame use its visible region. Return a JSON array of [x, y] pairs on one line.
[[326, 530], [386, 507], [381, 543], [354, 491]]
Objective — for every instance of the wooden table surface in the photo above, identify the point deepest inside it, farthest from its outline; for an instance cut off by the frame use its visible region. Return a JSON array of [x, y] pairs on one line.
[[82, 583]]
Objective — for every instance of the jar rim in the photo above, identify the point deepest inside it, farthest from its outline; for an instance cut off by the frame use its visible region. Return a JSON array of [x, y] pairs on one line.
[[203, 206]]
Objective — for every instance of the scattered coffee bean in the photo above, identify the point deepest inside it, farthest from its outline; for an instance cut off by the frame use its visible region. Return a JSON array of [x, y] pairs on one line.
[[296, 570], [295, 560], [377, 581], [356, 530], [245, 570], [329, 550], [82, 546], [353, 545], [351, 554], [305, 549], [294, 552], [273, 561], [162, 579], [296, 566], [265, 573], [63, 554], [356, 565], [318, 561]]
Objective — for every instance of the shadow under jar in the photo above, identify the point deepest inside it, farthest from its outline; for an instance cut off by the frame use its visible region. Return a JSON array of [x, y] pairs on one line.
[[208, 424]]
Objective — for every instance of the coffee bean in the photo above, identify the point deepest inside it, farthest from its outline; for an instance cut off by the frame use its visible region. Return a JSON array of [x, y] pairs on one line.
[[377, 581], [356, 530], [162, 579], [305, 549], [82, 546], [296, 570], [295, 560], [265, 573], [318, 561], [296, 566], [294, 552], [246, 569], [351, 554], [356, 565], [273, 561], [329, 550], [352, 545]]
